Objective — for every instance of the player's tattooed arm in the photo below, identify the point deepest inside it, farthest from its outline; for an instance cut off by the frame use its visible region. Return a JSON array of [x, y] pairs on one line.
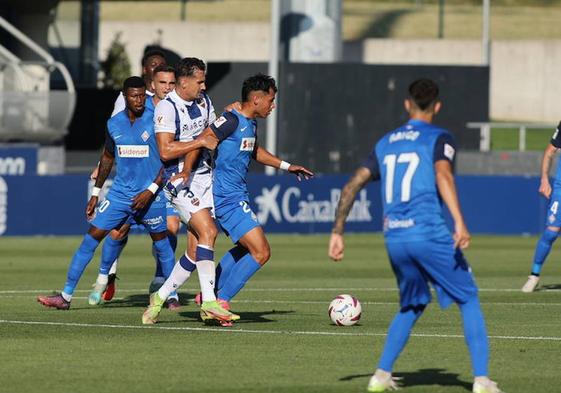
[[348, 195], [104, 167], [336, 243]]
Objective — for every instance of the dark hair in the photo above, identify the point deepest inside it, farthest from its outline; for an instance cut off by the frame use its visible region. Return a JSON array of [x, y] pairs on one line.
[[163, 68], [133, 82], [423, 92], [259, 82], [151, 53], [188, 66]]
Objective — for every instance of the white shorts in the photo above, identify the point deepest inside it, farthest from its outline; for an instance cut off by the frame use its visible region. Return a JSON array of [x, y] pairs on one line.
[[196, 196]]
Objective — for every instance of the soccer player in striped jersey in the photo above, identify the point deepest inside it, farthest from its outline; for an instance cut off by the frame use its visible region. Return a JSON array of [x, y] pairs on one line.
[[553, 220], [414, 164], [135, 194]]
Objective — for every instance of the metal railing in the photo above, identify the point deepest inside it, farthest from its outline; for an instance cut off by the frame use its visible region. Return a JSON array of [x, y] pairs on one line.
[[486, 127], [28, 108]]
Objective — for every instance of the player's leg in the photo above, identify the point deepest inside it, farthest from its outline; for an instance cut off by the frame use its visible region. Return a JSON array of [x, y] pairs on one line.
[[80, 260], [173, 225], [258, 253], [414, 296], [104, 286], [228, 261], [543, 247]]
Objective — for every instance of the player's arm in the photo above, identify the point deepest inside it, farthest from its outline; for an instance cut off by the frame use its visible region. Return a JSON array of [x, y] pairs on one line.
[[263, 156], [361, 177], [141, 200], [444, 156], [550, 150], [104, 169]]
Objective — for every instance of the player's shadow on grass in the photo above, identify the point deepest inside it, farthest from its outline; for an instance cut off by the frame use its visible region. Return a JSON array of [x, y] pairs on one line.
[[245, 317], [142, 300], [549, 286], [425, 376]]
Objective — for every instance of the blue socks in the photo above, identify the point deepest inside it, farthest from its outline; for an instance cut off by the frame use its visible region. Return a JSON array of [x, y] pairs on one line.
[[542, 250], [80, 260], [165, 255], [242, 271], [226, 264], [173, 243], [110, 251], [398, 334], [475, 335]]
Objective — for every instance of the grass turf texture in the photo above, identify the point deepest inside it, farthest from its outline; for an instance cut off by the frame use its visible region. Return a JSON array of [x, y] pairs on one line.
[[285, 341]]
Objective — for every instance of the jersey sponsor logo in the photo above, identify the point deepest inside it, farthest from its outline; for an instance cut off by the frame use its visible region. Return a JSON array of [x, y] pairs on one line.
[[153, 222], [395, 224], [133, 151], [218, 122], [194, 126], [248, 144], [449, 151], [404, 136], [293, 207]]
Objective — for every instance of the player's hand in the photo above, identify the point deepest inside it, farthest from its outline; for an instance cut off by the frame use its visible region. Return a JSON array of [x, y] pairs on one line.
[[234, 105], [545, 188], [140, 201], [90, 208], [209, 142], [336, 247], [300, 172], [461, 236], [94, 173]]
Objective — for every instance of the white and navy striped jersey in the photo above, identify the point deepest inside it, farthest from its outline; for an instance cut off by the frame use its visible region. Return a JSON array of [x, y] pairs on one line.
[[186, 120]]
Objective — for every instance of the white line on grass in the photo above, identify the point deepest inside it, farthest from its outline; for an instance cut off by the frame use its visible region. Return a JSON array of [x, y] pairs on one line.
[[253, 331], [342, 290]]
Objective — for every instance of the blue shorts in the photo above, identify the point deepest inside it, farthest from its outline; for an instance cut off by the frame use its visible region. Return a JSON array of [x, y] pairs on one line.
[[236, 219], [553, 218], [113, 212], [416, 264]]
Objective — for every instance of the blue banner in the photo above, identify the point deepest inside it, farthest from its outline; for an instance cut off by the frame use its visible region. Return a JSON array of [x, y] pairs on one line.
[[18, 160], [55, 205]]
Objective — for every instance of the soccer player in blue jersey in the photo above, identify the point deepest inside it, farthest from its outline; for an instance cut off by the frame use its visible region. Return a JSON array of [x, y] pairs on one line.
[[237, 132], [414, 164], [553, 220], [131, 143]]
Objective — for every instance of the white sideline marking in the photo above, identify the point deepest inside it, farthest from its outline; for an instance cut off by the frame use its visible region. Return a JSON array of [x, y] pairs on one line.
[[341, 290], [287, 332]]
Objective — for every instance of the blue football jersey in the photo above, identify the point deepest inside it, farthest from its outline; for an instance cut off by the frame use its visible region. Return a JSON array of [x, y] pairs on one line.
[[404, 160], [556, 141], [136, 153], [237, 135]]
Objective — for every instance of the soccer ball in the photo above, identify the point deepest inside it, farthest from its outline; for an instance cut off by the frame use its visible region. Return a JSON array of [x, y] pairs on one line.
[[345, 310]]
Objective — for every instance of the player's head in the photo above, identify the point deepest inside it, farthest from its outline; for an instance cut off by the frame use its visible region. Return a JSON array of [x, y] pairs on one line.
[[258, 94], [150, 61], [134, 92], [190, 75], [163, 81], [423, 97]]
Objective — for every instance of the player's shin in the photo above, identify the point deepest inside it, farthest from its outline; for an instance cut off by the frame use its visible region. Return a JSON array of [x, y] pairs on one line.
[[543, 247], [398, 335], [110, 252], [243, 270], [206, 270], [475, 335], [80, 260], [180, 273]]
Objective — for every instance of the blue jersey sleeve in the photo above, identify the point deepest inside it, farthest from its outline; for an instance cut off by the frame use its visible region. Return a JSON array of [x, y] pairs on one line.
[[225, 125], [109, 143], [445, 148], [371, 163], [556, 138]]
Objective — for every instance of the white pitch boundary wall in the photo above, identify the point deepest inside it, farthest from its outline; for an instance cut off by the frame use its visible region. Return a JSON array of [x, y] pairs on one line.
[[525, 75]]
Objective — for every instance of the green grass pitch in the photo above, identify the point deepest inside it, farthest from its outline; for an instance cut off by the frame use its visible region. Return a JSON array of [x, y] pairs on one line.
[[285, 341]]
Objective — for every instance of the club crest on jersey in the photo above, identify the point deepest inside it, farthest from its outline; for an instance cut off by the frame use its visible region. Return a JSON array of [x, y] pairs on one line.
[[133, 151], [195, 201], [145, 135], [248, 144]]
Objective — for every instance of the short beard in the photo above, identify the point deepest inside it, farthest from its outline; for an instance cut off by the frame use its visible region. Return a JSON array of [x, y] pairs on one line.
[[139, 113]]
